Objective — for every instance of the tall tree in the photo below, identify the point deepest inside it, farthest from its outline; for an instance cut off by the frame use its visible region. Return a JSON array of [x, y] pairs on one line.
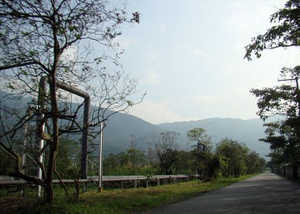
[[202, 139], [201, 152], [283, 100], [284, 33], [166, 151], [235, 155], [254, 163], [278, 138], [59, 40]]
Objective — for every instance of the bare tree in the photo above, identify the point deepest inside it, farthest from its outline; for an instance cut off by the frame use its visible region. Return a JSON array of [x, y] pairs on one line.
[[60, 41], [166, 150]]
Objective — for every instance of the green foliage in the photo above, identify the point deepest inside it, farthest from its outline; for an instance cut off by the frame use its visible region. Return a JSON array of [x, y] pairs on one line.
[[121, 201], [280, 100], [205, 163], [169, 162], [196, 134], [275, 101], [284, 34], [283, 136], [184, 163], [166, 152], [202, 139], [6, 164], [68, 159], [255, 164], [235, 155], [131, 162]]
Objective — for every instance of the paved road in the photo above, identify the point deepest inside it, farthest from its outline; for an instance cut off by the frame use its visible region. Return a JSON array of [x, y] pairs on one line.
[[265, 193]]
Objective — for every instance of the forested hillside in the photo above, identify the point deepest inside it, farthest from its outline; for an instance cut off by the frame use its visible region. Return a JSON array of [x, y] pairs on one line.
[[124, 130]]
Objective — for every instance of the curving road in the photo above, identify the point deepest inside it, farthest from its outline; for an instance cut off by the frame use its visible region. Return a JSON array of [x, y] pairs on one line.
[[265, 193]]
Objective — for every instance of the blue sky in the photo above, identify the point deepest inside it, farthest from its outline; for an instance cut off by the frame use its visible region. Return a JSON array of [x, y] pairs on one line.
[[188, 56]]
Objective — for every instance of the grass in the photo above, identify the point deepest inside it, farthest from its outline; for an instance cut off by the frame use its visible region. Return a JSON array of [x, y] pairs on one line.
[[125, 201]]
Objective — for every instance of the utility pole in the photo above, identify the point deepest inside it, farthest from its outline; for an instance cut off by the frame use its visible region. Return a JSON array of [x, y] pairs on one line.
[[100, 173], [295, 126]]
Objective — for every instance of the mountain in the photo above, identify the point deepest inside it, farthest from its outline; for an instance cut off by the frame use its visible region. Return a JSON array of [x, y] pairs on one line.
[[123, 130], [244, 131]]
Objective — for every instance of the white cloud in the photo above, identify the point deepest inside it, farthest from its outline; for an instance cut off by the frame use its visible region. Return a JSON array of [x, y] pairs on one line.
[[155, 112], [70, 53], [151, 77], [162, 28], [193, 50], [202, 99], [154, 58], [198, 52], [152, 73]]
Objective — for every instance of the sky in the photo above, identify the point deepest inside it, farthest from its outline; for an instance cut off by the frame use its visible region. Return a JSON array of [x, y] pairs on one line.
[[188, 57]]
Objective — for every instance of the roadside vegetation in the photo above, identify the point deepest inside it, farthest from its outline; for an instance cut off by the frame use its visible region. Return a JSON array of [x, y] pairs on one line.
[[214, 167], [118, 201], [283, 99], [40, 130]]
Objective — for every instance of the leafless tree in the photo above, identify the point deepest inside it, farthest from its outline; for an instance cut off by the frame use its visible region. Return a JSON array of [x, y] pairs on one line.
[[71, 45]]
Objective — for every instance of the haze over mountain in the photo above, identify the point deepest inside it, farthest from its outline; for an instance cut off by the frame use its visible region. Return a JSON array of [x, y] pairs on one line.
[[244, 131], [124, 130]]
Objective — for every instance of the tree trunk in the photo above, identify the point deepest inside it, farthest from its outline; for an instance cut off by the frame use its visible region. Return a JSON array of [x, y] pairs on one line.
[[49, 194], [295, 170]]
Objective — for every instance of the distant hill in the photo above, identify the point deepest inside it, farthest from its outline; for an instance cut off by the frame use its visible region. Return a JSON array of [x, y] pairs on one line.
[[243, 131], [123, 130]]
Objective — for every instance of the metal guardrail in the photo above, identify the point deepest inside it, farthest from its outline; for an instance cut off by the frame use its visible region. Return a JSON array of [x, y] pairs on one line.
[[11, 181], [7, 181]]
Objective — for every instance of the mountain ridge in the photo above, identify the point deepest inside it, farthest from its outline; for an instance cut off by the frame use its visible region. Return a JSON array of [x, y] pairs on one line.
[[125, 130], [244, 131]]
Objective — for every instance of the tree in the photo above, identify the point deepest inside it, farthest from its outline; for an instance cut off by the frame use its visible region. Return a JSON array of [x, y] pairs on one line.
[[59, 40], [131, 162], [284, 34], [166, 151], [202, 139], [184, 162], [202, 153], [283, 100], [277, 137], [68, 159], [254, 163], [235, 155]]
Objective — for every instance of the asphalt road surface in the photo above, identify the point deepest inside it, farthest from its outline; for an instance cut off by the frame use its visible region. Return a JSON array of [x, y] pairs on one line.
[[265, 193]]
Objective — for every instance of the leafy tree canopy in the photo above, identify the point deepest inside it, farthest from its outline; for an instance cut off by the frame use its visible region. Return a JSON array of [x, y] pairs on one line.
[[280, 100], [284, 33]]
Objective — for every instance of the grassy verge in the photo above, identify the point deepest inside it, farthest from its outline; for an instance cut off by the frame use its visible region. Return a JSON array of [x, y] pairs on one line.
[[124, 201]]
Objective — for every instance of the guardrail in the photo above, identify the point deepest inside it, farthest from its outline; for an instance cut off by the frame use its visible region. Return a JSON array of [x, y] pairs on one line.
[[13, 185]]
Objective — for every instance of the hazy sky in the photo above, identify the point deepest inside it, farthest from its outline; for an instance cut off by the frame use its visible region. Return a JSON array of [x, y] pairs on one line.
[[188, 56]]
